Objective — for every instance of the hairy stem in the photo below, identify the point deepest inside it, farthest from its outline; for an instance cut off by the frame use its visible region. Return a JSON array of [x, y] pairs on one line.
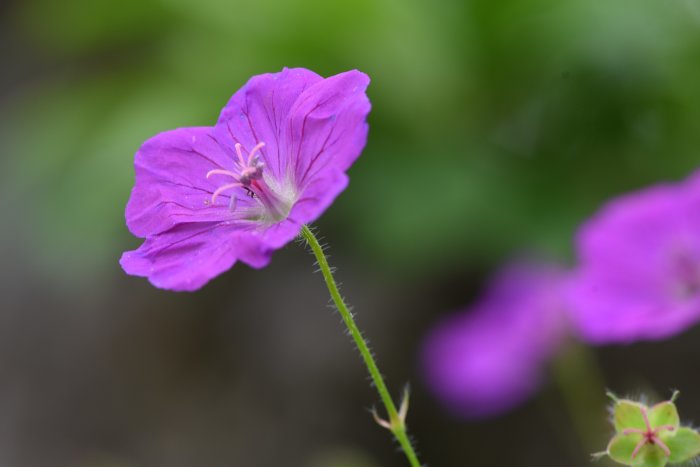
[[396, 423]]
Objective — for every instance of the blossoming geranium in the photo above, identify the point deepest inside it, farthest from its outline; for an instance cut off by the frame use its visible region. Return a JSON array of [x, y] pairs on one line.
[[207, 197]]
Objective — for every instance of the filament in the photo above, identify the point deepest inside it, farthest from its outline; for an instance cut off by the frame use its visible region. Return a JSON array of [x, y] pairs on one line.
[[222, 189]]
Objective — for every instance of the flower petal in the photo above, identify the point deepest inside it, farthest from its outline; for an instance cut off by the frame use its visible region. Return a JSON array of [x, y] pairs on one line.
[[477, 370], [491, 358], [259, 112], [189, 255], [171, 184], [327, 126], [639, 266], [318, 195]]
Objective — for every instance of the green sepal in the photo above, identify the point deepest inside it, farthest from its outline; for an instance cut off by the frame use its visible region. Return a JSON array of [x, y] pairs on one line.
[[651, 456], [628, 414], [684, 444], [664, 413], [621, 447]]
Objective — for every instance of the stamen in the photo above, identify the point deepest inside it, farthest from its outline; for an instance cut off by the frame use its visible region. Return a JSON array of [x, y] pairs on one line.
[[629, 431], [246, 175], [660, 444], [257, 147], [646, 419], [222, 189], [221, 172], [664, 427], [240, 155], [639, 446]]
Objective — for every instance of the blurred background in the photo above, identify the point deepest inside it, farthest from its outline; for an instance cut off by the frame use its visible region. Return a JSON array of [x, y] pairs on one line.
[[497, 127]]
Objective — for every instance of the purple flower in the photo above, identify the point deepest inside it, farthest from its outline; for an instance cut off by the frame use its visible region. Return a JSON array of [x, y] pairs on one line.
[[207, 197], [639, 272], [489, 358]]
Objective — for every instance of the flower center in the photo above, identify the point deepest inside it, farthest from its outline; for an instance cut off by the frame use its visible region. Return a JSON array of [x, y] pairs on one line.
[[248, 175], [649, 435]]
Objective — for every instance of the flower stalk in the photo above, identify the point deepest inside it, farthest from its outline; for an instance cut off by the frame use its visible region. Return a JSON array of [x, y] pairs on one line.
[[397, 418]]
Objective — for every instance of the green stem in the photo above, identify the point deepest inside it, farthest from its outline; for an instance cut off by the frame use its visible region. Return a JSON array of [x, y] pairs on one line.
[[396, 423], [580, 382]]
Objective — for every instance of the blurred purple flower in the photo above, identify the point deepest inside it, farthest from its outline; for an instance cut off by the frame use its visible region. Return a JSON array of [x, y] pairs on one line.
[[490, 358], [207, 197], [639, 271]]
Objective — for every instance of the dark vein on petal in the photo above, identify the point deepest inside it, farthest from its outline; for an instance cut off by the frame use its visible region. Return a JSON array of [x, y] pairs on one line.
[[228, 125], [328, 161], [246, 112], [315, 158], [162, 250], [301, 139], [169, 182], [276, 128], [193, 151]]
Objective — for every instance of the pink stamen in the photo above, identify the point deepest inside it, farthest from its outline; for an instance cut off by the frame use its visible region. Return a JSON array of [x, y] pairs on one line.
[[221, 172], [664, 427], [222, 189], [646, 419], [257, 147], [629, 431], [248, 173], [661, 444], [240, 155], [639, 446]]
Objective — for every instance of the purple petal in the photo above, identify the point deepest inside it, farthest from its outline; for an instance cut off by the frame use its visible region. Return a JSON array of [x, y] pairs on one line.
[[171, 185], [189, 255], [328, 127], [490, 358], [318, 195], [639, 274], [259, 112], [472, 369]]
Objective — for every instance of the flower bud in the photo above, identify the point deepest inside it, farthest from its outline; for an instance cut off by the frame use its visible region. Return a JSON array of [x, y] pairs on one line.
[[650, 436]]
